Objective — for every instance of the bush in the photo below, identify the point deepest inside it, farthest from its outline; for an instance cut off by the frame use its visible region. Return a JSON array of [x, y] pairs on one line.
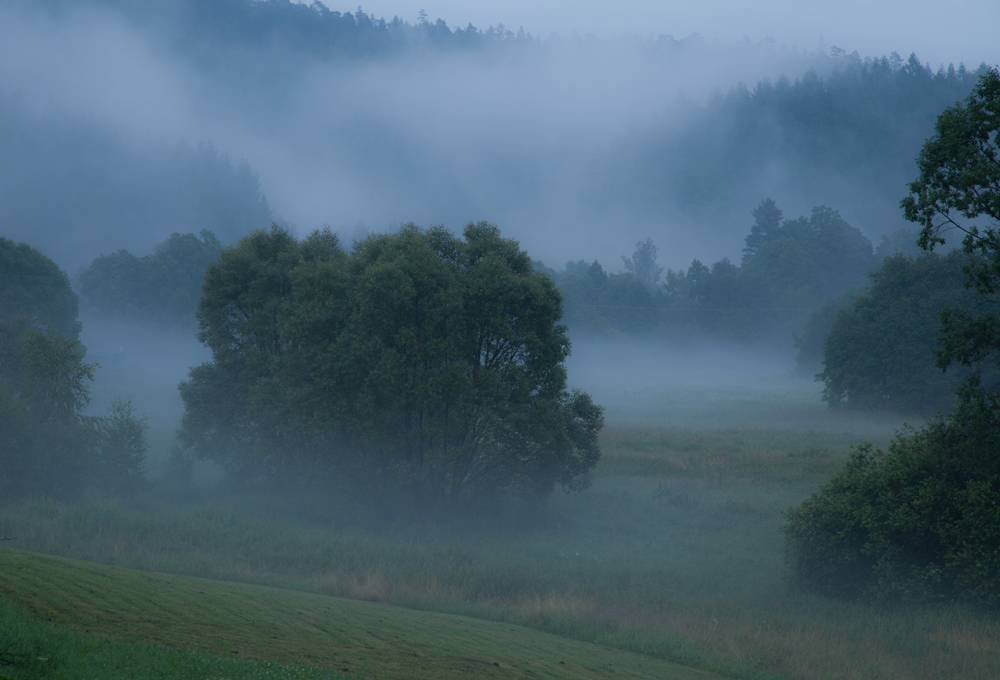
[[919, 522]]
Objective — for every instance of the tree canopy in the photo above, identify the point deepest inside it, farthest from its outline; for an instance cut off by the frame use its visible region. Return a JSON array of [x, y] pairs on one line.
[[788, 270], [419, 366], [642, 265], [958, 190], [880, 352], [33, 288], [163, 287], [917, 522]]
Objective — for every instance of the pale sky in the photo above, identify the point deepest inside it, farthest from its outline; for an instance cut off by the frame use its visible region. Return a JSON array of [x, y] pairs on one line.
[[939, 32]]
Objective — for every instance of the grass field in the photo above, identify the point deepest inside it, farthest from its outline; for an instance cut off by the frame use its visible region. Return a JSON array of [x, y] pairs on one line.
[[34, 648], [301, 634], [675, 553]]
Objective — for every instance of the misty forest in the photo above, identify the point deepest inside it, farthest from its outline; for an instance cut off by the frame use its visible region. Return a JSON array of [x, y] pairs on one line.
[[334, 345]]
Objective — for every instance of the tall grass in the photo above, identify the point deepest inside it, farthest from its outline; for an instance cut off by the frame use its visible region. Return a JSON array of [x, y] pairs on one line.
[[674, 552]]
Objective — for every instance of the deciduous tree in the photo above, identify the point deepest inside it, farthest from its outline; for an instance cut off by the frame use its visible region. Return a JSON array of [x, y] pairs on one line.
[[958, 191], [424, 366]]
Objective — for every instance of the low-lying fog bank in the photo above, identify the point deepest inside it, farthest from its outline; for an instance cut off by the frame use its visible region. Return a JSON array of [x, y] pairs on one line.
[[709, 386]]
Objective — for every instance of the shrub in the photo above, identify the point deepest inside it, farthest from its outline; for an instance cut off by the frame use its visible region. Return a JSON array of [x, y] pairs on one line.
[[918, 522]]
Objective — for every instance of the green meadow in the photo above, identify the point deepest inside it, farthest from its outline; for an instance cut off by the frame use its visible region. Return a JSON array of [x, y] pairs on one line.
[[141, 624], [671, 566]]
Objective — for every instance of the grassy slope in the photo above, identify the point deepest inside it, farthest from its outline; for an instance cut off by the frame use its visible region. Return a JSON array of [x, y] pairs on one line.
[[361, 638], [675, 553]]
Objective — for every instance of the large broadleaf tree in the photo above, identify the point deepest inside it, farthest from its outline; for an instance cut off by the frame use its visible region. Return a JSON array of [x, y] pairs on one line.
[[419, 366]]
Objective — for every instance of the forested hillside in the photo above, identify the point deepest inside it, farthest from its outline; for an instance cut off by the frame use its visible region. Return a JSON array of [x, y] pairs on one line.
[[78, 188], [349, 118], [844, 134], [200, 28]]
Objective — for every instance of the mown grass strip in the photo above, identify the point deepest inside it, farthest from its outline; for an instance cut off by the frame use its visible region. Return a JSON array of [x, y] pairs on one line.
[[33, 649], [358, 638]]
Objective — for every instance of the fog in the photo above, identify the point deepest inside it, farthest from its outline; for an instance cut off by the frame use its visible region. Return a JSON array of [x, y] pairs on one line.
[[357, 454], [938, 32], [512, 133], [709, 386], [125, 129], [517, 132]]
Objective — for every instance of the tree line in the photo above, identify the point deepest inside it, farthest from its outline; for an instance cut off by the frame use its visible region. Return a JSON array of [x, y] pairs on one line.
[[161, 288], [417, 372], [205, 31], [788, 270], [863, 320], [430, 368]]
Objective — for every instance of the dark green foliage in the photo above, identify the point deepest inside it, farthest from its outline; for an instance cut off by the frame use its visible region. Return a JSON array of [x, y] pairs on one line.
[[788, 271], [610, 304], [121, 448], [44, 437], [162, 287], [880, 352], [33, 288], [919, 522], [628, 305], [810, 340], [922, 521], [43, 380], [421, 366], [809, 260], [710, 301], [48, 447], [582, 287], [958, 186]]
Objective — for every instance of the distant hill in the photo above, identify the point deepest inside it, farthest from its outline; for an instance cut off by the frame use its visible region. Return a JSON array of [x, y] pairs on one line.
[[75, 187], [350, 118], [845, 134]]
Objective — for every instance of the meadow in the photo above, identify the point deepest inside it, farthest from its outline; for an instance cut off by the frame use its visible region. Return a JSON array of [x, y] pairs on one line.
[[674, 553]]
